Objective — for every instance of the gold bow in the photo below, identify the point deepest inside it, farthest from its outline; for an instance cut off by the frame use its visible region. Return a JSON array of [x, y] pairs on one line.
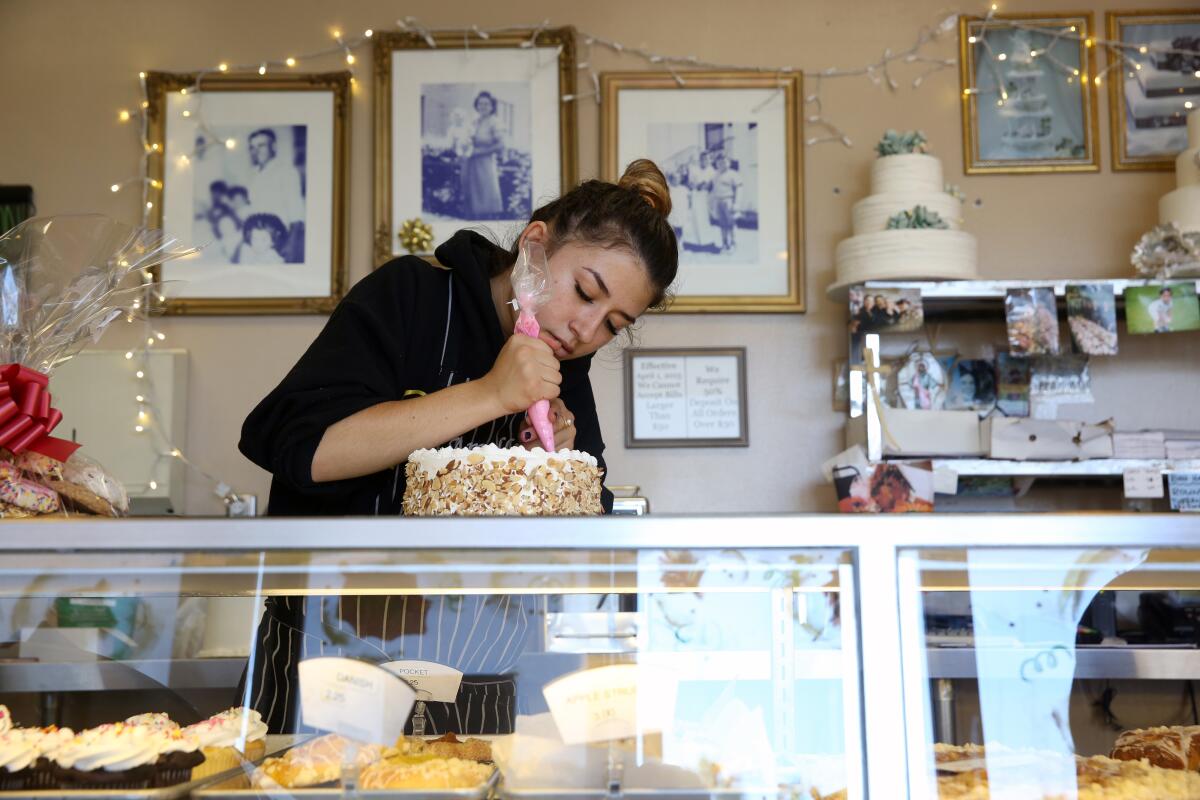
[[416, 236]]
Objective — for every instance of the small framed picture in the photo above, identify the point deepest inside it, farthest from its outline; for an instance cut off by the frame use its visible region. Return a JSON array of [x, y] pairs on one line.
[[1028, 93], [972, 384], [1154, 58], [1164, 308], [1032, 316], [729, 145], [686, 397], [470, 132], [252, 170], [1092, 318]]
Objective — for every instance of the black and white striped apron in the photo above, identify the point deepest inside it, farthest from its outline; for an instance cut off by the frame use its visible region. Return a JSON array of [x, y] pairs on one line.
[[480, 635]]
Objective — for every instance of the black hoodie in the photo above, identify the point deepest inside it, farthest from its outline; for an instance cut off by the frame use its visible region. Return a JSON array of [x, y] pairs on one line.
[[407, 329]]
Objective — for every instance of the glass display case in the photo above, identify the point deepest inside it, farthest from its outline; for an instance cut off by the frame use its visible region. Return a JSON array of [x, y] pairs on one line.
[[920, 656], [597, 658]]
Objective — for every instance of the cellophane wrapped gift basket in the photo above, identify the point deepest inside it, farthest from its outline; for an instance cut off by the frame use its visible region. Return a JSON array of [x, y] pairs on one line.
[[63, 280]]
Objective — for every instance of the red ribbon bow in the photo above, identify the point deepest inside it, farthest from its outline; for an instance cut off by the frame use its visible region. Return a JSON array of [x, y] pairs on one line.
[[26, 417]]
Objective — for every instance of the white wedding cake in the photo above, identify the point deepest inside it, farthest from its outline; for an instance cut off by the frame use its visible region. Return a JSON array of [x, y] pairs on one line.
[[900, 184], [1182, 206]]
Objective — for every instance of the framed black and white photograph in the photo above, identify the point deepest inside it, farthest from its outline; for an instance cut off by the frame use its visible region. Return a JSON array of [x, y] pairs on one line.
[[1154, 84], [728, 144], [252, 171], [1028, 94], [472, 132], [686, 397]]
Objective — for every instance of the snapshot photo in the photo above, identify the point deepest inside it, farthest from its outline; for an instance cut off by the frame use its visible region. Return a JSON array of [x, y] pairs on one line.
[[1028, 105], [253, 175], [921, 382], [1166, 308], [476, 157], [1158, 85], [1092, 318], [889, 488], [1032, 316], [1012, 387], [885, 310], [729, 147], [972, 384]]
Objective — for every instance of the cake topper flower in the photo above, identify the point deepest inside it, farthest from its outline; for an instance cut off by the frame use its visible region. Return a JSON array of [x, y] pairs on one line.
[[1167, 251], [919, 217], [896, 143]]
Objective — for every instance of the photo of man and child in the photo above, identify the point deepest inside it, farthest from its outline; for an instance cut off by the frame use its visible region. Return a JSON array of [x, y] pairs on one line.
[[249, 195]]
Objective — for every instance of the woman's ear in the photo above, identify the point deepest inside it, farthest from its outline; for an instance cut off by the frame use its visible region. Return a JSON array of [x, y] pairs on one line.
[[536, 232]]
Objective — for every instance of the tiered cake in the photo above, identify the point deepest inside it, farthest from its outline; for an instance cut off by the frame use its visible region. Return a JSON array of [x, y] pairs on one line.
[[1182, 206], [494, 481], [901, 183], [1156, 84]]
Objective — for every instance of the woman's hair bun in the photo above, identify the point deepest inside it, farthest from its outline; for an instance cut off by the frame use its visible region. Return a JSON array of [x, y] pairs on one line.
[[644, 177]]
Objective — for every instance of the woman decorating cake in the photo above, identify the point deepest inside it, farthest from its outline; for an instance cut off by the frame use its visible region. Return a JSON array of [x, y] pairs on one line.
[[420, 357]]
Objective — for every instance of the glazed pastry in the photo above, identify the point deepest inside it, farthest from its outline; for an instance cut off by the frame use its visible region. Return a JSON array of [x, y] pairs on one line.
[[228, 739], [436, 773], [16, 490], [312, 763], [448, 746], [1176, 747]]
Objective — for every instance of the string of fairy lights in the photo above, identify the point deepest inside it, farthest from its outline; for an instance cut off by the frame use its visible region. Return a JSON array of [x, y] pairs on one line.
[[882, 72]]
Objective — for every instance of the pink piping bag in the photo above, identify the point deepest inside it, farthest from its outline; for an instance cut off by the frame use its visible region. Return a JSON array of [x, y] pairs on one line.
[[531, 282]]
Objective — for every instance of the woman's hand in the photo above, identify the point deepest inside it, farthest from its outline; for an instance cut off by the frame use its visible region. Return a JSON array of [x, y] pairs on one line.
[[564, 428], [525, 371]]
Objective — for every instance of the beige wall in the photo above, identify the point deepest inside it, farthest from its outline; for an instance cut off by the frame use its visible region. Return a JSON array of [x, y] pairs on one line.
[[70, 65]]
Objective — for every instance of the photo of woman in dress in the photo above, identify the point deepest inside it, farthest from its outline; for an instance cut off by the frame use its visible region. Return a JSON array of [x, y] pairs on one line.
[[476, 151]]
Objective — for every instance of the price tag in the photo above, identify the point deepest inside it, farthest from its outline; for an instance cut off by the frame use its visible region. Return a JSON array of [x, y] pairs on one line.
[[1185, 491], [358, 700], [613, 702], [1143, 483], [437, 681]]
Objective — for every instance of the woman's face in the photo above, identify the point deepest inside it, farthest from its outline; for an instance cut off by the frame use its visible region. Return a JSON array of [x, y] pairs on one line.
[[484, 106], [596, 293]]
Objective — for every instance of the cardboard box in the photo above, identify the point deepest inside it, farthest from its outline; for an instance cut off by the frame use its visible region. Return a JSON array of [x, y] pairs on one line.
[[922, 433], [1023, 439]]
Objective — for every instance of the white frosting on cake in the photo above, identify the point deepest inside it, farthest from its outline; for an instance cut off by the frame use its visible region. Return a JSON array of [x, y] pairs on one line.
[[1182, 207], [906, 172], [428, 462], [901, 183], [910, 254], [872, 213]]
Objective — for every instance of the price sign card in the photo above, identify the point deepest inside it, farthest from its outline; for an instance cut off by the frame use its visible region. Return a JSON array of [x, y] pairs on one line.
[[691, 397], [358, 700], [614, 702], [432, 681], [1185, 491], [1145, 483]]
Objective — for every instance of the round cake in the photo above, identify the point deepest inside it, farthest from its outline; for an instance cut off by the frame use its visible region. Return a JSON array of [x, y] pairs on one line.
[[496, 481], [1182, 206], [904, 182]]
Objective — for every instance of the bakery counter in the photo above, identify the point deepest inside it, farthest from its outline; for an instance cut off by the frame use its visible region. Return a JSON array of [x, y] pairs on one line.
[[788, 651]]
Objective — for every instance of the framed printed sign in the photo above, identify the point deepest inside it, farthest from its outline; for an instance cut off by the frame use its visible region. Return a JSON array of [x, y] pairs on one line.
[[468, 131], [729, 145], [252, 171], [689, 397]]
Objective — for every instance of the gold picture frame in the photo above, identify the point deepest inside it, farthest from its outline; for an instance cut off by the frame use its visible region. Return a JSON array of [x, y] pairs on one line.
[[1031, 130], [1157, 147], [668, 124], [391, 206], [194, 103]]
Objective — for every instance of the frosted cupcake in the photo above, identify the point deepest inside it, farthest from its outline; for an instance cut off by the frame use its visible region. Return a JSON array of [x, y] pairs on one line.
[[23, 764], [6, 722], [116, 756], [157, 721], [228, 739], [179, 756]]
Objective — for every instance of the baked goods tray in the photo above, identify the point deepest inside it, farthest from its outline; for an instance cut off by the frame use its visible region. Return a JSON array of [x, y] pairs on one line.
[[164, 793], [481, 792], [646, 794]]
